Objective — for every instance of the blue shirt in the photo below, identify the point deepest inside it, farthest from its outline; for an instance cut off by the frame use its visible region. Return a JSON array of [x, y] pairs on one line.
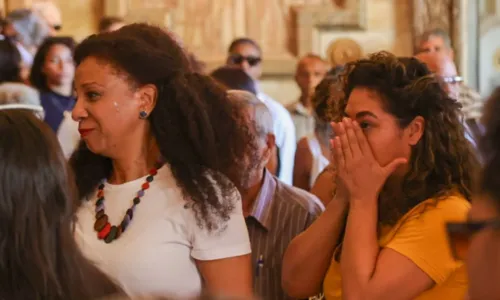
[[54, 106]]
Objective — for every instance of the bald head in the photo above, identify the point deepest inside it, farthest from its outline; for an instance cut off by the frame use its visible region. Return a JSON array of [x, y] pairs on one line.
[[311, 69], [443, 66]]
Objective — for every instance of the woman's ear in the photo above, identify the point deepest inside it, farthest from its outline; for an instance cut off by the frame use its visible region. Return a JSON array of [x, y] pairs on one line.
[[415, 130], [148, 96]]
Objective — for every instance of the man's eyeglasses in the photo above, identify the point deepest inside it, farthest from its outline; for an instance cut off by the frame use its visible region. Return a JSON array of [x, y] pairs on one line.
[[460, 234], [239, 59], [452, 79]]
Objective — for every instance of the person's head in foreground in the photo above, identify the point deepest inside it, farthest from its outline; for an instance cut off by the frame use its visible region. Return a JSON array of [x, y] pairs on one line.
[[40, 259], [478, 240], [404, 115]]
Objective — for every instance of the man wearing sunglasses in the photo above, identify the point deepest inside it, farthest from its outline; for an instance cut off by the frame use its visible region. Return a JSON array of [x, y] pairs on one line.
[[246, 54]]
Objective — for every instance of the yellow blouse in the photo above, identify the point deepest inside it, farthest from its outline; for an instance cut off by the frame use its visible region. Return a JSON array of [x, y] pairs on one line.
[[420, 235]]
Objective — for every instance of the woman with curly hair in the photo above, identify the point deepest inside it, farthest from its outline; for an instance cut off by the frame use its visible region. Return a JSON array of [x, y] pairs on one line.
[[155, 171], [404, 169]]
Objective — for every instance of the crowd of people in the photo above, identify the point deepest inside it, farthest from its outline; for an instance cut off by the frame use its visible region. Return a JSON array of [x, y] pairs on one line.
[[129, 172]]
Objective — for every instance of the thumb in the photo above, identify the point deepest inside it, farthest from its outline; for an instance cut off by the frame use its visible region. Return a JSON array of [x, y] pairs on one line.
[[392, 166]]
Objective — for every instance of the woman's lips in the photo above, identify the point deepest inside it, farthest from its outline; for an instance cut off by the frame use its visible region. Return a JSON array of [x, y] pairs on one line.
[[84, 132]]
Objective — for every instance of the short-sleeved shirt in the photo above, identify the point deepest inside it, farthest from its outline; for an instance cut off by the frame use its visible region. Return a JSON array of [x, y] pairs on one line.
[[420, 235], [156, 254]]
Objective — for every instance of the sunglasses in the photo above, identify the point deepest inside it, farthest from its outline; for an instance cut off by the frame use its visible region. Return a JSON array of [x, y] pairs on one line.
[[239, 59], [460, 234], [452, 79]]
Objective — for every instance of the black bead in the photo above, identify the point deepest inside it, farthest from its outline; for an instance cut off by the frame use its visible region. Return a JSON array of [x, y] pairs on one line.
[[130, 213], [150, 178], [99, 201], [111, 235], [123, 225], [137, 200], [101, 186]]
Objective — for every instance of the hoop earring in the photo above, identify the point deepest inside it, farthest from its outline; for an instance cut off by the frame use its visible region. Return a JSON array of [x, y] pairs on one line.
[[143, 114]]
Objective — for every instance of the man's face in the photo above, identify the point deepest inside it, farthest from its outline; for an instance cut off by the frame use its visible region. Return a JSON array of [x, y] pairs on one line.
[[310, 72], [444, 67], [248, 58], [436, 44]]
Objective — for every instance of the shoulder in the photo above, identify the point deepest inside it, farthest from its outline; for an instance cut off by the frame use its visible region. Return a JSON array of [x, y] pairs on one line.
[[448, 208], [303, 145], [298, 199]]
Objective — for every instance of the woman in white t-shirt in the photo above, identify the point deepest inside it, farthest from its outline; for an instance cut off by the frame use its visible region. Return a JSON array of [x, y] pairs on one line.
[[160, 147]]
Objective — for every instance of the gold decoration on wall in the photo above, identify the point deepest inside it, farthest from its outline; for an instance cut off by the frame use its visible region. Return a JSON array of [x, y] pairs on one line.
[[343, 50]]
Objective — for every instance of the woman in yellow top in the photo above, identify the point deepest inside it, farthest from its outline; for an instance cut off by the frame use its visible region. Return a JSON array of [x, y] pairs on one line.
[[404, 169]]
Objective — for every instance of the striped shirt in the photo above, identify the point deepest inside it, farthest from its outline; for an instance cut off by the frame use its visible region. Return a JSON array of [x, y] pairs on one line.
[[279, 213]]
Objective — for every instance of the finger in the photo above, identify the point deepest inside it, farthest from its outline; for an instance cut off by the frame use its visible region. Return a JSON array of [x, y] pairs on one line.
[[392, 166], [344, 142], [338, 154], [352, 138], [364, 146]]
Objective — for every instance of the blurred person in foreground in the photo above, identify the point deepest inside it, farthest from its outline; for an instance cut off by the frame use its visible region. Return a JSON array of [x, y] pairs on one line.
[[40, 259], [478, 239]]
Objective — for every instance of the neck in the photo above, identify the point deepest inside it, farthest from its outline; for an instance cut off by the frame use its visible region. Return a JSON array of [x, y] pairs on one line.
[[132, 167], [306, 101], [65, 90], [249, 195]]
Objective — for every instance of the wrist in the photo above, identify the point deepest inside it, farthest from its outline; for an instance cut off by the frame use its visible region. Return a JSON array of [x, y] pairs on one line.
[[363, 201]]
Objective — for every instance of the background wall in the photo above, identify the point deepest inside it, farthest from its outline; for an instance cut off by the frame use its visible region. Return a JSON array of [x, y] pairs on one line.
[[336, 29]]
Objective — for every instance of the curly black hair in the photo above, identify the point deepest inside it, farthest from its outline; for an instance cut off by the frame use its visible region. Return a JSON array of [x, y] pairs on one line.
[[443, 161], [198, 130]]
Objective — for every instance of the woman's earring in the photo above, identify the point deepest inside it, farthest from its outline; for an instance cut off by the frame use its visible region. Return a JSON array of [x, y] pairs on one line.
[[143, 114]]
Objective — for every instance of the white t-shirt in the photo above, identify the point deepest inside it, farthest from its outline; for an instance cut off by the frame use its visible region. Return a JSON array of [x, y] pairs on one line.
[[155, 255]]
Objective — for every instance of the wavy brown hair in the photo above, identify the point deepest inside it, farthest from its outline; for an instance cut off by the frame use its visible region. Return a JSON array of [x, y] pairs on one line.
[[39, 257], [197, 128], [443, 161]]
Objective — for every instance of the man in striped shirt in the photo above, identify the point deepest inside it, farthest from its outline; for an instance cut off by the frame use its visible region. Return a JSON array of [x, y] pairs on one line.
[[275, 212]]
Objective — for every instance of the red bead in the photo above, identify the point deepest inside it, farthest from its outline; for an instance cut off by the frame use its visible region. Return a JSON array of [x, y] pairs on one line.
[[153, 172], [104, 232], [145, 185], [100, 193]]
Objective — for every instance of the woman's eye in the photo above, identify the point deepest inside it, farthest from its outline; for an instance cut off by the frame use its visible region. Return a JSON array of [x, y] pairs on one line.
[[364, 125], [92, 95]]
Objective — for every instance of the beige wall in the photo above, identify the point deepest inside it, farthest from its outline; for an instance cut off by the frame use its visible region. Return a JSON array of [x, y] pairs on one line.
[[208, 26]]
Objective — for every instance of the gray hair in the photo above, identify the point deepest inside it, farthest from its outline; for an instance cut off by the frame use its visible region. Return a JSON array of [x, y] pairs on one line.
[[19, 96], [262, 116], [437, 32], [30, 27]]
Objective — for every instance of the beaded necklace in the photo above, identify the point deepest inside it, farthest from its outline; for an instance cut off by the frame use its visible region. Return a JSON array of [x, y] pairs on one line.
[[108, 232]]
